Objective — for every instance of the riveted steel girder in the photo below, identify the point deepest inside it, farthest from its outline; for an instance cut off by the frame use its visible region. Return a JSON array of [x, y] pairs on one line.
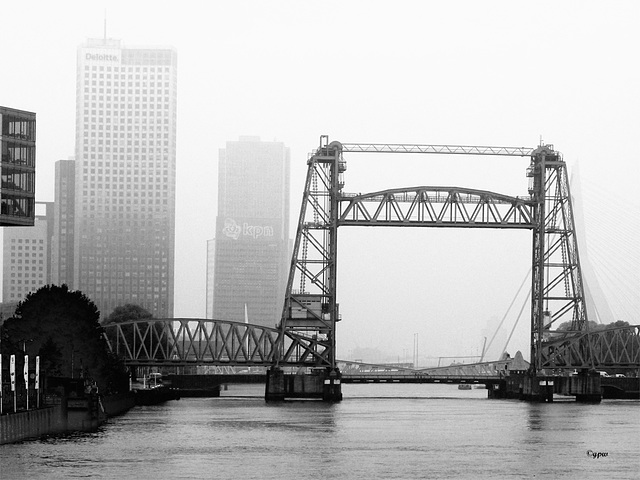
[[189, 341], [609, 348], [436, 207], [441, 149]]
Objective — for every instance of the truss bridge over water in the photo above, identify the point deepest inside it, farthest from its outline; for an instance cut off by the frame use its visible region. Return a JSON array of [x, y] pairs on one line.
[[305, 335]]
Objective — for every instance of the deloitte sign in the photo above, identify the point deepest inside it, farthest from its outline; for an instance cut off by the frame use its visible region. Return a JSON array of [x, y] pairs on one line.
[[102, 57]]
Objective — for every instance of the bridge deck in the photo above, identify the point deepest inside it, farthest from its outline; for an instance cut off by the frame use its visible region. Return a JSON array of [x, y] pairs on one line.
[[391, 378]]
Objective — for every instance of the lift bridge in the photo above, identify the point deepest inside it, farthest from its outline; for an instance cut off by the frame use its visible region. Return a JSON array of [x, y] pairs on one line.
[[305, 336]]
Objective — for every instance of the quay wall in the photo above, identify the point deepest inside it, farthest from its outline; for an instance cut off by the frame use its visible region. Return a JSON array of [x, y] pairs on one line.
[[63, 415], [32, 423]]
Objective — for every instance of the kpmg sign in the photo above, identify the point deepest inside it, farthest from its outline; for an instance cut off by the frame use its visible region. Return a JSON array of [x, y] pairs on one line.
[[246, 230], [101, 57]]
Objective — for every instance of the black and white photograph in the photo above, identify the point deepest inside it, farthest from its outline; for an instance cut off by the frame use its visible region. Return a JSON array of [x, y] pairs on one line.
[[287, 239]]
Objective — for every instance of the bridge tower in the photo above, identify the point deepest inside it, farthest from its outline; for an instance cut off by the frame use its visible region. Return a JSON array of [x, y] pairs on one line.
[[556, 285], [310, 310]]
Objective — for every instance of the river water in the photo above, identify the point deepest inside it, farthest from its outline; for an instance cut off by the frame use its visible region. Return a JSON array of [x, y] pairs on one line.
[[377, 432]]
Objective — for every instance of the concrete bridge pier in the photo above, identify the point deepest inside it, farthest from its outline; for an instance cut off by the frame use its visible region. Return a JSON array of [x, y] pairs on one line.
[[538, 389], [332, 388], [586, 387], [323, 385], [275, 388]]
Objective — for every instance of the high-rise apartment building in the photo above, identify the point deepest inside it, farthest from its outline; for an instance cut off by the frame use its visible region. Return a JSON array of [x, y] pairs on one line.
[[26, 256], [62, 242], [125, 175], [251, 254]]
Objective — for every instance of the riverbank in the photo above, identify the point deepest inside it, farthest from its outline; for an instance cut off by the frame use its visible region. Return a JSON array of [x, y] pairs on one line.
[[63, 414]]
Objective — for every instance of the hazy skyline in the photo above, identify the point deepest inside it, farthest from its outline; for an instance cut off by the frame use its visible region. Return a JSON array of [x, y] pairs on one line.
[[473, 73]]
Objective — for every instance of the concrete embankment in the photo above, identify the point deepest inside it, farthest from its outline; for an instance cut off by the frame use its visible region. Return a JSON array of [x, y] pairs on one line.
[[20, 426], [63, 414]]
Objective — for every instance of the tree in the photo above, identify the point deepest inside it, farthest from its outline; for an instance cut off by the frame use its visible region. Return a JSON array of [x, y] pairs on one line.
[[62, 326], [595, 327], [129, 311]]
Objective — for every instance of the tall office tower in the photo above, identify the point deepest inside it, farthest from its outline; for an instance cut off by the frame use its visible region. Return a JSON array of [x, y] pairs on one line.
[[252, 232], [26, 254], [63, 223], [125, 176], [211, 252]]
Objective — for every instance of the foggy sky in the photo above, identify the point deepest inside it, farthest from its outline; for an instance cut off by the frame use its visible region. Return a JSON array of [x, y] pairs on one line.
[[471, 73]]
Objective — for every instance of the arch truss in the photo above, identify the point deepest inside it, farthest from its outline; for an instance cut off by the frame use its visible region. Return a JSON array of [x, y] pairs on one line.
[[189, 341], [609, 348], [436, 207]]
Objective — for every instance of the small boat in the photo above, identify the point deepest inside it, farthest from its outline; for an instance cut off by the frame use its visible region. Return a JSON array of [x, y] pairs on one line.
[[464, 386]]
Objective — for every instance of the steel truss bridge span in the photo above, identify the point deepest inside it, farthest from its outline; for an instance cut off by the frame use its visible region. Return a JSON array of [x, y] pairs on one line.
[[436, 207], [192, 341]]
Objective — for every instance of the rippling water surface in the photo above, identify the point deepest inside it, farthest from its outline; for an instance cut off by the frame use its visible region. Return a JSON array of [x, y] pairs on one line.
[[376, 432]]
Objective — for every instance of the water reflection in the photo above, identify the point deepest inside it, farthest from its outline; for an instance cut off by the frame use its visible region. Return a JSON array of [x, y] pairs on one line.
[[535, 416]]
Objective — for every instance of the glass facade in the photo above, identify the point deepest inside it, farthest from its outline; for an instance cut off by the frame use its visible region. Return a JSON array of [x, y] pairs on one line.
[[18, 146], [125, 176]]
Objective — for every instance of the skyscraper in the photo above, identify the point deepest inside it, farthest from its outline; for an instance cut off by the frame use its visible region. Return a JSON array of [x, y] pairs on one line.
[[62, 242], [125, 175], [252, 232]]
